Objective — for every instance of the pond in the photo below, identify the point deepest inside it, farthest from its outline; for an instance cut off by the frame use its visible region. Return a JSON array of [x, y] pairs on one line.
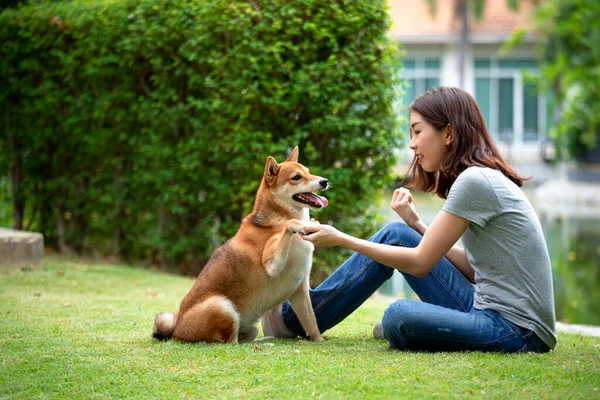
[[574, 247]]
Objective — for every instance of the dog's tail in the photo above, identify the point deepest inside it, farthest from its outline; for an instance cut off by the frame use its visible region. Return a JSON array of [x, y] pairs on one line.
[[164, 325]]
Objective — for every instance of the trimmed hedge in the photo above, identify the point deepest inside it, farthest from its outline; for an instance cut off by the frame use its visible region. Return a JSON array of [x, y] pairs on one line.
[[140, 129]]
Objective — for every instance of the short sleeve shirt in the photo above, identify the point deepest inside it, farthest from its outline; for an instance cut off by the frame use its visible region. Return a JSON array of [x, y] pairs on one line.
[[505, 246]]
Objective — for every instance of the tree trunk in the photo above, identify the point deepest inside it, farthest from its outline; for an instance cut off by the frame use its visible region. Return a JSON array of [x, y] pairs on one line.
[[62, 243], [464, 40], [119, 214], [16, 170], [161, 226]]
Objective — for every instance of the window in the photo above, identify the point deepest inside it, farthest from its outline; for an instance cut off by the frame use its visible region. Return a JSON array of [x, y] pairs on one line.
[[514, 111], [420, 75]]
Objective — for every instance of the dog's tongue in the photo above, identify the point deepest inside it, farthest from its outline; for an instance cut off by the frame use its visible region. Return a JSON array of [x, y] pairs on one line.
[[317, 199]]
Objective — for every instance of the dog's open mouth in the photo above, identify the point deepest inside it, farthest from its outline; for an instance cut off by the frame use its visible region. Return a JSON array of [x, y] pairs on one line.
[[312, 199]]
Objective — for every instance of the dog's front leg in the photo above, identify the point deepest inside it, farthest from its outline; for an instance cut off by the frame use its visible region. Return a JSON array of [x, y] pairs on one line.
[[276, 252], [302, 306]]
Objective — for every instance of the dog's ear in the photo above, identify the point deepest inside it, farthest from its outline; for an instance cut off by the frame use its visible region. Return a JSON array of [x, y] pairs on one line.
[[294, 155], [271, 170]]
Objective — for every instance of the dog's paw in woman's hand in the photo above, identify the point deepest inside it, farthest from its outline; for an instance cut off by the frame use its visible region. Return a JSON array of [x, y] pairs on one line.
[[295, 226]]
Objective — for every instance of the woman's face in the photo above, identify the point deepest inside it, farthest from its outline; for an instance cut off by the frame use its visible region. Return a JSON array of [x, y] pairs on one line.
[[430, 145]]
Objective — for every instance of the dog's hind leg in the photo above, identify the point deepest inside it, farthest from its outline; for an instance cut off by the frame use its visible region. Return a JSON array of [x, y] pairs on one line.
[[213, 320], [247, 334]]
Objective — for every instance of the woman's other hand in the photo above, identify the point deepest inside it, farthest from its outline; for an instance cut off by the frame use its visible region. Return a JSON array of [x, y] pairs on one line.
[[402, 204]]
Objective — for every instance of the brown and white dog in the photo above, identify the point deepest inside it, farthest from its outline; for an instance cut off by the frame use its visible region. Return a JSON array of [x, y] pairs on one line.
[[263, 265]]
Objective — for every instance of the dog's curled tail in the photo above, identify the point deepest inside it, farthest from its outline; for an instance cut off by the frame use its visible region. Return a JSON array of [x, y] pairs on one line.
[[164, 325]]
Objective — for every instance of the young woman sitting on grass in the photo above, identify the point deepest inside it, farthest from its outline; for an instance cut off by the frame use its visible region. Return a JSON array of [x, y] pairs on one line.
[[494, 295]]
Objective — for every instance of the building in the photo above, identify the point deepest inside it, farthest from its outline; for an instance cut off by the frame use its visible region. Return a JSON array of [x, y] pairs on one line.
[[517, 116]]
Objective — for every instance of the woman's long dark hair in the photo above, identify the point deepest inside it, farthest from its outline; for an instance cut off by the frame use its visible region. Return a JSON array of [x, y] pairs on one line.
[[471, 143]]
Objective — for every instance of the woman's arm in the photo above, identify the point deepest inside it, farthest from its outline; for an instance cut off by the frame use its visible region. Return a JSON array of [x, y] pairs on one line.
[[403, 204], [438, 239], [456, 255]]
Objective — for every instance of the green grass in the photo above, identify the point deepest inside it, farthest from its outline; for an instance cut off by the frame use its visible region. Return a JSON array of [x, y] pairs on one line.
[[77, 330]]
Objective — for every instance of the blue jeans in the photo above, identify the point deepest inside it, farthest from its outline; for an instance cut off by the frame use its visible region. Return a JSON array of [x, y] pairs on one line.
[[444, 319]]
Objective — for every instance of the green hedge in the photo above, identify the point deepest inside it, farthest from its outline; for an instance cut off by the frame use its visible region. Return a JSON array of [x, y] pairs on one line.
[[140, 128]]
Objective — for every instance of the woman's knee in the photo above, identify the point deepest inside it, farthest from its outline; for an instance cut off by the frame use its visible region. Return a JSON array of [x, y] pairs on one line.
[[396, 322], [398, 233]]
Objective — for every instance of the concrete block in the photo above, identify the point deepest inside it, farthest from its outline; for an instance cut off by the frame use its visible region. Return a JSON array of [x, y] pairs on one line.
[[20, 249]]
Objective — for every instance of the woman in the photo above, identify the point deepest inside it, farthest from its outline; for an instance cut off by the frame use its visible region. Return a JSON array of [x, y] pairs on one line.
[[494, 295]]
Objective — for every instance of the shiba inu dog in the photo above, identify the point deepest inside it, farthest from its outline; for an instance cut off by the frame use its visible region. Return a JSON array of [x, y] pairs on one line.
[[263, 265]]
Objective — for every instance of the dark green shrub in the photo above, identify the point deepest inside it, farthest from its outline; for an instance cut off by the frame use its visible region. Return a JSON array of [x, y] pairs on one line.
[[140, 128]]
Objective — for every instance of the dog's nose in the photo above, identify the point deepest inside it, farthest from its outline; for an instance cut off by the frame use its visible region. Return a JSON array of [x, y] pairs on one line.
[[324, 182]]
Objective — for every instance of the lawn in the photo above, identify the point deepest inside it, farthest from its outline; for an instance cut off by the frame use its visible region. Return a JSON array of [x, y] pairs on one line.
[[82, 330]]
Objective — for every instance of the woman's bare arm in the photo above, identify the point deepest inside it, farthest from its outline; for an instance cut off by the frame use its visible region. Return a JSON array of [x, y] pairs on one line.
[[438, 240], [456, 255]]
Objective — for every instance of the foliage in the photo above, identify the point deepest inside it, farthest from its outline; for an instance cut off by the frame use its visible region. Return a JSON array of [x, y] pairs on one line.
[[8, 3], [143, 126], [15, 3], [570, 33], [77, 330]]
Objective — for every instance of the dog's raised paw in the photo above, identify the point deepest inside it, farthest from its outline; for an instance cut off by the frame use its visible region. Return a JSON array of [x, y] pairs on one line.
[[295, 227]]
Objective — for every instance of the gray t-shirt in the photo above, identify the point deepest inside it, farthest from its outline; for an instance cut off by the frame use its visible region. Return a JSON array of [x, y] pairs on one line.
[[505, 246]]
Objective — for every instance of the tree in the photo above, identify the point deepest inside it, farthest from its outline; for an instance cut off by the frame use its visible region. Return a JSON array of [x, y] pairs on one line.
[[570, 64]]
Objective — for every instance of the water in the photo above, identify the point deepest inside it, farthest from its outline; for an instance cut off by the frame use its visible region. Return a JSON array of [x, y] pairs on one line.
[[574, 247]]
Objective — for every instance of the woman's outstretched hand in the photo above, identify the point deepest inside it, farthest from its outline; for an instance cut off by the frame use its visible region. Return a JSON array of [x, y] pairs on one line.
[[321, 235], [402, 204]]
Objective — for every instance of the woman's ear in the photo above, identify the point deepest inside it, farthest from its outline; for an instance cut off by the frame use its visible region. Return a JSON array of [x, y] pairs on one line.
[[449, 134]]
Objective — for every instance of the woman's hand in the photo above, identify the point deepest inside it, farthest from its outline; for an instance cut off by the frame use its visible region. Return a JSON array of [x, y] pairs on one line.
[[321, 235], [402, 204]]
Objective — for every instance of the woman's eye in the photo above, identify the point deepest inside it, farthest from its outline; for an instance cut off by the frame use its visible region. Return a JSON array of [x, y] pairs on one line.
[[417, 132], [296, 178]]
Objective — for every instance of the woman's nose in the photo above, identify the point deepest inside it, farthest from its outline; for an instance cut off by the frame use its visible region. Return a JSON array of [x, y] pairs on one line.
[[412, 145]]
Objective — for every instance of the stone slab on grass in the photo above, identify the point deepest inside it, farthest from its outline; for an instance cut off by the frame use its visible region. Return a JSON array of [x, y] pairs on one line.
[[20, 249]]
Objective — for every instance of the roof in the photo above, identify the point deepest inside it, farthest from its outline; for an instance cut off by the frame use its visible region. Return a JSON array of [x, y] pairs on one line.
[[412, 21]]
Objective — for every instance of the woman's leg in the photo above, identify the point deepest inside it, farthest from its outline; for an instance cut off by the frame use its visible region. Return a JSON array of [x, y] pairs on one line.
[[444, 285], [359, 277], [445, 320], [414, 325]]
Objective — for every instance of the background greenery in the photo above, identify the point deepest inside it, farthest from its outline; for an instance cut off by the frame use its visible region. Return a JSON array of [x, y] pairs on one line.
[[139, 129], [83, 330], [569, 33]]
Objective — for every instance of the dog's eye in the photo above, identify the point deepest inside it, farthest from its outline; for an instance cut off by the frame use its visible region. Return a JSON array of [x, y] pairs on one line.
[[296, 178]]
